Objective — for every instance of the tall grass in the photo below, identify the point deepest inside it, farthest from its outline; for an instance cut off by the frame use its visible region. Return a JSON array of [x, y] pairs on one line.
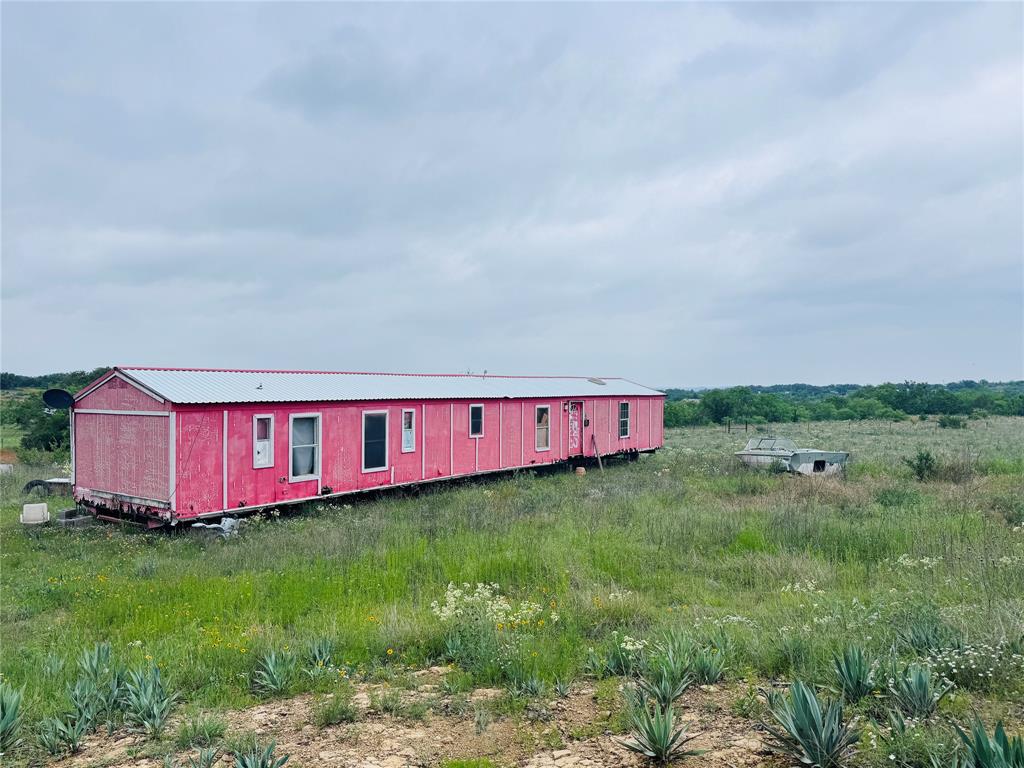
[[790, 569]]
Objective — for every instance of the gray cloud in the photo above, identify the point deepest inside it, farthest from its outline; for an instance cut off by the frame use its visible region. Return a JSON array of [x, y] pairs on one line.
[[683, 194]]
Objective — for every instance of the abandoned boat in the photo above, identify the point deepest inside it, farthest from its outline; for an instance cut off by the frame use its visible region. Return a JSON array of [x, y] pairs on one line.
[[781, 451]]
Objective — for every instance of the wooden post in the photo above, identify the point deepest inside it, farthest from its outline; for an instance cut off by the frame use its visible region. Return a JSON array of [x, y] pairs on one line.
[[597, 452]]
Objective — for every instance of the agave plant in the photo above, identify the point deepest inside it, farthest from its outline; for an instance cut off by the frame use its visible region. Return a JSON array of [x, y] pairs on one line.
[[318, 658], [813, 733], [260, 757], [662, 686], [273, 673], [996, 751], [85, 702], [206, 758], [11, 716], [49, 738], [147, 703], [562, 687], [55, 734], [855, 674], [915, 693], [655, 735], [94, 663]]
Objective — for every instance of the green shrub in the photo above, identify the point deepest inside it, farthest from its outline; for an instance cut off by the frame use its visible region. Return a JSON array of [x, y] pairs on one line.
[[924, 465], [813, 733], [457, 681], [388, 701], [708, 666], [948, 421], [200, 730], [912, 745], [914, 692], [339, 708], [11, 716], [996, 751], [897, 496]]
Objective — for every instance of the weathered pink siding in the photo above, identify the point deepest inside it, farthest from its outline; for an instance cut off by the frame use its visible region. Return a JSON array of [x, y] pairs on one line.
[[130, 454], [120, 446]]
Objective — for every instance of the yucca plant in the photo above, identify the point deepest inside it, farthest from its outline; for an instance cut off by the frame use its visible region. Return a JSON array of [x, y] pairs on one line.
[[915, 693], [661, 686], [708, 666], [812, 732], [996, 751], [11, 716], [273, 673], [260, 757], [855, 674], [147, 702], [654, 735]]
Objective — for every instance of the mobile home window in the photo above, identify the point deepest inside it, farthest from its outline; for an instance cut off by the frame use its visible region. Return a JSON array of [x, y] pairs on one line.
[[623, 420], [476, 421], [375, 441], [543, 442], [262, 441], [408, 430], [305, 447]]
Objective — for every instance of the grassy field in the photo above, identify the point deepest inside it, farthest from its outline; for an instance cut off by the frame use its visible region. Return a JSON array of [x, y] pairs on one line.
[[775, 572]]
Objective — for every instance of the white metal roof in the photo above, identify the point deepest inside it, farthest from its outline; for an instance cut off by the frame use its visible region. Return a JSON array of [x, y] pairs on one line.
[[222, 386]]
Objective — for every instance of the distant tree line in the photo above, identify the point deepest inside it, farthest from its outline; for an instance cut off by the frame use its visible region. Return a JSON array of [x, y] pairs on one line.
[[42, 429], [804, 402]]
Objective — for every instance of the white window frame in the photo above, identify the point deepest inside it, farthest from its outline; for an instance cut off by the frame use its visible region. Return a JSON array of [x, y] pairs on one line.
[[412, 429], [362, 442], [292, 477], [536, 427], [629, 419], [255, 418], [483, 413]]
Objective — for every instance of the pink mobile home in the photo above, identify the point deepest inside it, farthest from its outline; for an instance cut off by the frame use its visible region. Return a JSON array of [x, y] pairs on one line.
[[171, 444]]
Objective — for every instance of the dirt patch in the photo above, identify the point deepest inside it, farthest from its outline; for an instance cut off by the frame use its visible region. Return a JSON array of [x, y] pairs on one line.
[[570, 732]]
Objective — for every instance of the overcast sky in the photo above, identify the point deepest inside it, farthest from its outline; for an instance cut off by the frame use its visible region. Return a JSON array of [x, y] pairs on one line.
[[679, 194]]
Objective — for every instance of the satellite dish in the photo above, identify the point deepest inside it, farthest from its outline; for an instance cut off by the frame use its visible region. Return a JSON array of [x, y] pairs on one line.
[[58, 398]]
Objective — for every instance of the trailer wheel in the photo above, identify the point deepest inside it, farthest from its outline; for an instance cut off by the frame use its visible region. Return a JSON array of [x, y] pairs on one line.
[[36, 487]]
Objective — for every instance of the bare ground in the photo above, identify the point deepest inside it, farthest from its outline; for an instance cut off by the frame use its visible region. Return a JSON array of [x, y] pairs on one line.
[[571, 732]]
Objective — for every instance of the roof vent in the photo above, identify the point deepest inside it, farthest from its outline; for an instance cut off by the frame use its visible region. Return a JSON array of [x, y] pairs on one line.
[[595, 380]]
